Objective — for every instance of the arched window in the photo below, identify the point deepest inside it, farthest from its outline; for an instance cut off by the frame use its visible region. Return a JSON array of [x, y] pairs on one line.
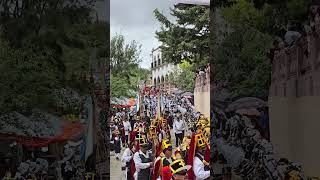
[[158, 81], [159, 60]]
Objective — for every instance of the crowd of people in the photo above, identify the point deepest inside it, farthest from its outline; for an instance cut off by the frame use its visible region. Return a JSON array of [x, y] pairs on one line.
[[170, 140], [242, 144], [33, 167]]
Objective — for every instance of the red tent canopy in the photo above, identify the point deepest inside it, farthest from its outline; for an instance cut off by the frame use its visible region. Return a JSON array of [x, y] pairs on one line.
[[130, 103], [70, 130]]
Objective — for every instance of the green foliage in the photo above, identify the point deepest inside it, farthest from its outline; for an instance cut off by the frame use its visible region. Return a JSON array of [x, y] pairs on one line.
[[183, 78], [124, 56], [125, 71], [46, 45], [25, 81], [267, 16], [188, 37], [242, 60]]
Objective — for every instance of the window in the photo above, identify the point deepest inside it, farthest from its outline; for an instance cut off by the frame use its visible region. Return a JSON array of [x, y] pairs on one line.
[[159, 60]]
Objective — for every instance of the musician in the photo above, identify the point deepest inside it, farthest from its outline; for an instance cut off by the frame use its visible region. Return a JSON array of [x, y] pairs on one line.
[[179, 169], [163, 160], [142, 161], [127, 158], [199, 158], [117, 144]]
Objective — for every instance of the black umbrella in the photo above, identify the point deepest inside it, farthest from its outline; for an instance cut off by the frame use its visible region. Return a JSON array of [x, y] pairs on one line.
[[187, 94], [246, 103]]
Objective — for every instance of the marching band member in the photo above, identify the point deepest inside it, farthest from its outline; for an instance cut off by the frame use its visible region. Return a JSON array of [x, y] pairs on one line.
[[127, 158], [142, 161], [198, 155], [127, 130], [164, 159], [117, 144], [179, 169]]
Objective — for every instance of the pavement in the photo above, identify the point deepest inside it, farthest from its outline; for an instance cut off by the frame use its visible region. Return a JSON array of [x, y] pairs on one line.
[[115, 165]]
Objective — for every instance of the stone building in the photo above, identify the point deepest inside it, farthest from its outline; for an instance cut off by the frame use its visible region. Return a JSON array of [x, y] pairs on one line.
[[294, 100], [161, 70]]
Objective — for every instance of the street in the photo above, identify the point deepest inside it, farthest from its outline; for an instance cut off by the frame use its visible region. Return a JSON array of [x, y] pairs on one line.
[[115, 168], [115, 165]]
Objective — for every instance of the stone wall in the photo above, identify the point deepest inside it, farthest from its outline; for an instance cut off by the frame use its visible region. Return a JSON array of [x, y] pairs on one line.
[[293, 73], [202, 91], [294, 101]]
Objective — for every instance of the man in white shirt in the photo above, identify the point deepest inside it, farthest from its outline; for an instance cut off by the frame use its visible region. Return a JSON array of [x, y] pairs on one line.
[[200, 167], [127, 159], [201, 171], [127, 129], [178, 129], [142, 162]]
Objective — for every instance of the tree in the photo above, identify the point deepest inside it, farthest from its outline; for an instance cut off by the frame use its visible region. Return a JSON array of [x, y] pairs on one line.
[[183, 78], [188, 37], [124, 57], [243, 60], [125, 70], [45, 45], [267, 16]]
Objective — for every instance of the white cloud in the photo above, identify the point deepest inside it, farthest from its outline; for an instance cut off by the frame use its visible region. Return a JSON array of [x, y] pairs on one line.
[[135, 20]]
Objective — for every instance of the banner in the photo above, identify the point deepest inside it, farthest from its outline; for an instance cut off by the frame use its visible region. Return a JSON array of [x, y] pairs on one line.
[[89, 138], [138, 103], [158, 107]]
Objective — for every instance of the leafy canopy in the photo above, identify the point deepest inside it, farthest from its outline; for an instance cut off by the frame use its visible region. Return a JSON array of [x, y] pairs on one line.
[[46, 45], [188, 37], [125, 71], [243, 60], [183, 78]]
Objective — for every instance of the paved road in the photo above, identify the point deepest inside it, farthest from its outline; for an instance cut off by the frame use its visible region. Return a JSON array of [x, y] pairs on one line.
[[115, 165], [115, 168]]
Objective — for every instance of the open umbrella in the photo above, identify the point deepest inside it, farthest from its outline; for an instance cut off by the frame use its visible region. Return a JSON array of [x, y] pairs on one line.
[[250, 112], [176, 91], [246, 103], [187, 94]]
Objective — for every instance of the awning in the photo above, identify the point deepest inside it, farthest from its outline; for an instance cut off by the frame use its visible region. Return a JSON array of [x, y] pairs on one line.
[[123, 102], [70, 131]]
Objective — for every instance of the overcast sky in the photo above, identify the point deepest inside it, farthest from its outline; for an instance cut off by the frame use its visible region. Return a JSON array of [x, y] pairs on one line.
[[135, 20]]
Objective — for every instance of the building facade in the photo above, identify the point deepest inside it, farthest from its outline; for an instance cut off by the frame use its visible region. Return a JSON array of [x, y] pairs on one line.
[[160, 71]]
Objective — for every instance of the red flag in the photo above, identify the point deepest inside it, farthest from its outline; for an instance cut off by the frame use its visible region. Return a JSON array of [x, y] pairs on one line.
[[133, 168], [156, 169], [191, 155]]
